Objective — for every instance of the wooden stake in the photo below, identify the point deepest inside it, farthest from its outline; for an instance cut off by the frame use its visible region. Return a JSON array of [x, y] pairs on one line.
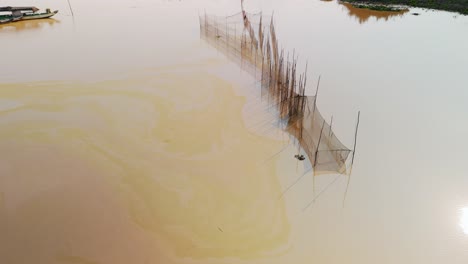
[[315, 100], [352, 160], [318, 144], [316, 92], [355, 138], [71, 9]]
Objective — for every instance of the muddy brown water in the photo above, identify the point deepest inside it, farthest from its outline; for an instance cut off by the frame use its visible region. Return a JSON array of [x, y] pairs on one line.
[[126, 139]]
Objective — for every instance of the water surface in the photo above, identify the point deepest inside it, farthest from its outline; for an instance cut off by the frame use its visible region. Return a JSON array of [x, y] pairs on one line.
[[125, 139]]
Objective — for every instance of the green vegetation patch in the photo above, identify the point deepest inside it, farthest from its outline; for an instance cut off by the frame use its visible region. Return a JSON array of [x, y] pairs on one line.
[[375, 7], [459, 6]]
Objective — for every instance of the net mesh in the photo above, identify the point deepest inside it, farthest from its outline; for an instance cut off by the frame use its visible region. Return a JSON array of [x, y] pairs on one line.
[[250, 41]]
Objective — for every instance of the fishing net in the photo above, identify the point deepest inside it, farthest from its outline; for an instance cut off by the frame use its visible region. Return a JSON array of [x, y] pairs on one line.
[[250, 41]]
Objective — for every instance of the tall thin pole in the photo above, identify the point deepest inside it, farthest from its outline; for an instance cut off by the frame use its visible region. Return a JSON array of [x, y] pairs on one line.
[[316, 91], [318, 144], [304, 83], [355, 138], [315, 159], [352, 159], [71, 9], [315, 98]]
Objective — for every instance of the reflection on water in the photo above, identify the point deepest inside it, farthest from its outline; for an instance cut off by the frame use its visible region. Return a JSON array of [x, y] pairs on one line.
[[464, 219], [363, 14], [28, 25]]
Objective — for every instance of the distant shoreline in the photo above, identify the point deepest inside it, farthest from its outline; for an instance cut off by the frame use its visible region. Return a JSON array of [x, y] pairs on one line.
[[459, 6]]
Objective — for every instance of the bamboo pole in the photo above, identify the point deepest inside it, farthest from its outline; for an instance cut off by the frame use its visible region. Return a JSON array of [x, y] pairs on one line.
[[352, 159], [355, 138], [316, 93], [318, 144], [71, 9]]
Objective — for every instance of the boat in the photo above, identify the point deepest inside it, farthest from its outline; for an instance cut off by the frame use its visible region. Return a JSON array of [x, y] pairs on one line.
[[4, 19], [14, 14], [47, 14]]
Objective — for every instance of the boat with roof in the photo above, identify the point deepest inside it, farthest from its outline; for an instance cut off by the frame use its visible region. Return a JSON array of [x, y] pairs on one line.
[[12, 14]]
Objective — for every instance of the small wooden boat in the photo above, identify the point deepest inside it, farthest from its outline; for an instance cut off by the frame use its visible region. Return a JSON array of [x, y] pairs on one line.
[[47, 14], [23, 13]]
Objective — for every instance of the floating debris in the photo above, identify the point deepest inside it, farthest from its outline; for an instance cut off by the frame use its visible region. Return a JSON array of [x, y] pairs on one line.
[[299, 157]]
